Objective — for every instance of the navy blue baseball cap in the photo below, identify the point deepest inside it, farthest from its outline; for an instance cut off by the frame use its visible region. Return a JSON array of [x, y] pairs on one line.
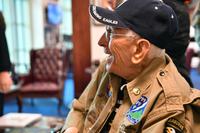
[[151, 19]]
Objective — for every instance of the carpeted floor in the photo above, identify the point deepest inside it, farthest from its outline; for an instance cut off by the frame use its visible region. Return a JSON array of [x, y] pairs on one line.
[[195, 77]]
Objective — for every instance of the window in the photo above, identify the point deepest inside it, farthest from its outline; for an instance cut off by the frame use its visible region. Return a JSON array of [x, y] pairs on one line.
[[66, 26], [18, 32], [18, 18]]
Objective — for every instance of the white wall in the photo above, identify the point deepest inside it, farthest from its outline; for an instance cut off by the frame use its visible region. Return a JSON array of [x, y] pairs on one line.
[[97, 52], [37, 24]]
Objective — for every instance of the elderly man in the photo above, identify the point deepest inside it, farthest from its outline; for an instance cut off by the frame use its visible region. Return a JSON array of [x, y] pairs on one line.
[[137, 88]]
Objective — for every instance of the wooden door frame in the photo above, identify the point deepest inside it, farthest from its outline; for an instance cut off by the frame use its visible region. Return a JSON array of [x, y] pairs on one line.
[[81, 43]]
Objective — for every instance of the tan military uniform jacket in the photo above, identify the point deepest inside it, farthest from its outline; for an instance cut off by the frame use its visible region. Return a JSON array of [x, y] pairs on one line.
[[160, 97]]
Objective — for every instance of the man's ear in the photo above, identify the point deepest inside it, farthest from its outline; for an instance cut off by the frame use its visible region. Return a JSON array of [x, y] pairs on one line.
[[140, 50]]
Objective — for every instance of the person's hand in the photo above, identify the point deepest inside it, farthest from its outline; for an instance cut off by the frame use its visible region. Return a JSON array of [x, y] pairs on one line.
[[5, 81], [71, 130]]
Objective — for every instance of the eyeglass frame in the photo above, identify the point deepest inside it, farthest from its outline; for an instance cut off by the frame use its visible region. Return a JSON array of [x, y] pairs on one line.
[[109, 35]]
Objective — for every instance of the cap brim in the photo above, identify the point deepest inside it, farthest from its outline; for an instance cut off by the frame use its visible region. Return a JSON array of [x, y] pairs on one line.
[[106, 16]]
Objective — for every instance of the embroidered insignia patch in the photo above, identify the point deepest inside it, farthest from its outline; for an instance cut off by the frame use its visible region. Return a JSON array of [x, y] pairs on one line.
[[135, 112], [173, 126]]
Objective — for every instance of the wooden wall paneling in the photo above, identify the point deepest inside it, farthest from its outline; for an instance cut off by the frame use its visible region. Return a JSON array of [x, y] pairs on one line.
[[81, 42]]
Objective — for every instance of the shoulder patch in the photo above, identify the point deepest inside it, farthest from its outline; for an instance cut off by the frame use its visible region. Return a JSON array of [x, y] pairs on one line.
[[173, 126], [136, 111]]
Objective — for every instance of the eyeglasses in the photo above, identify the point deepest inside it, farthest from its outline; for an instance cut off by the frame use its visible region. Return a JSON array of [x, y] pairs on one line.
[[110, 35]]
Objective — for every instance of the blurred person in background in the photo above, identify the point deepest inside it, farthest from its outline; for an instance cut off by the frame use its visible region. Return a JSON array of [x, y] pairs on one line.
[[5, 64], [184, 9], [192, 7], [196, 24]]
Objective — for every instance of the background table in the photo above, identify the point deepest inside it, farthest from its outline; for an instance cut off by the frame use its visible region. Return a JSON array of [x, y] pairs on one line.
[[45, 125]]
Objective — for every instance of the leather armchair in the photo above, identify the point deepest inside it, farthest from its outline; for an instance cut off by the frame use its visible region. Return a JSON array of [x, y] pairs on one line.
[[46, 77]]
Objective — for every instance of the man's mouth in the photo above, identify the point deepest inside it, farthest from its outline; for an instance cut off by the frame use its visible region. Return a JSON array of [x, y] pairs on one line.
[[107, 51]]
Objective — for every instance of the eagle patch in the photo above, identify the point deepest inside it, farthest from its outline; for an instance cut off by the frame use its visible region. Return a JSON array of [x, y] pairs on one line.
[[173, 126], [136, 111]]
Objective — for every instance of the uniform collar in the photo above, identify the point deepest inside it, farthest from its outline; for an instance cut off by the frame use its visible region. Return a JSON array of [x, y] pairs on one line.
[[138, 86]]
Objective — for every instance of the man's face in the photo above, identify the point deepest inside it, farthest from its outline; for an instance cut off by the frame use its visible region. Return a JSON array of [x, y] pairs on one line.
[[118, 43], [103, 42]]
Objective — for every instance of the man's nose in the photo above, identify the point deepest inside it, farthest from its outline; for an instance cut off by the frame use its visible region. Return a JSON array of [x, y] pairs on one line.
[[103, 41]]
